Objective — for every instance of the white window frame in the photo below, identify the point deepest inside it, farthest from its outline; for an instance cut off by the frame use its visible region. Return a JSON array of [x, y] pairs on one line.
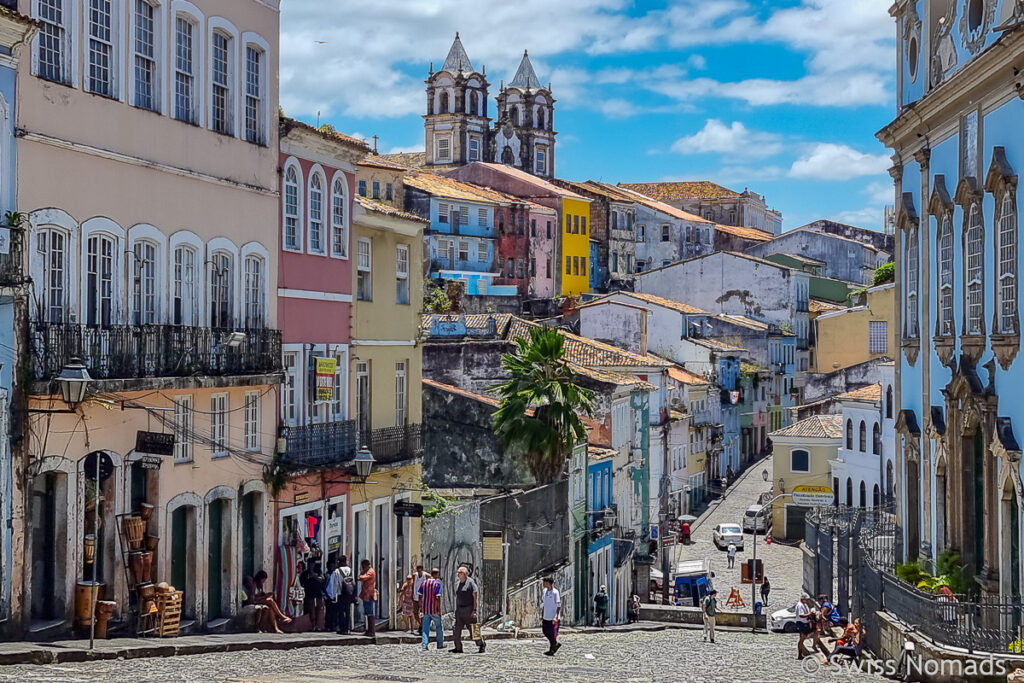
[[913, 276], [215, 264], [402, 274], [254, 288], [481, 251], [542, 166], [1006, 261], [339, 401], [463, 251], [219, 410], [312, 223], [227, 30], [878, 336], [364, 268], [293, 396], [192, 314], [446, 147], [340, 227], [104, 227], [184, 428], [48, 222], [481, 216], [256, 42], [189, 13], [66, 42], [112, 42], [155, 59], [946, 276], [287, 186], [474, 148], [974, 270], [251, 422], [401, 393]]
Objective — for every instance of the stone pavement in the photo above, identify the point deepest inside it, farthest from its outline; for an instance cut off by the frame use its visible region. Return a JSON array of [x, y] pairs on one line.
[[782, 563], [665, 655]]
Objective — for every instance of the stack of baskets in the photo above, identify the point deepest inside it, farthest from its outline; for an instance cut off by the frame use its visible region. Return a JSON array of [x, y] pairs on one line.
[[168, 605]]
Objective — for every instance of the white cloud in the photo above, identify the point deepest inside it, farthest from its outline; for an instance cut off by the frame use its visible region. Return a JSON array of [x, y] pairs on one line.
[[870, 217], [716, 136], [829, 161], [618, 108], [880, 193]]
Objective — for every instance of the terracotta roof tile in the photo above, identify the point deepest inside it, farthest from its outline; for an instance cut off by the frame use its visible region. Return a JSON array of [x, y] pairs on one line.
[[600, 453], [326, 133], [684, 376], [388, 210], [407, 160], [449, 188], [588, 352], [461, 392], [530, 178], [664, 208], [646, 298], [817, 427], [697, 189], [872, 393], [745, 233], [822, 306]]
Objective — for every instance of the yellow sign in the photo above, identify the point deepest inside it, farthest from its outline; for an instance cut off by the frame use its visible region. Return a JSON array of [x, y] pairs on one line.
[[812, 489], [812, 496], [493, 546], [325, 370]]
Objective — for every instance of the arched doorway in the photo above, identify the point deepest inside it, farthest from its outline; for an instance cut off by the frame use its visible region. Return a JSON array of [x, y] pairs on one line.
[[251, 526], [863, 494], [48, 518], [849, 491], [1009, 555], [220, 559], [183, 523], [876, 497]]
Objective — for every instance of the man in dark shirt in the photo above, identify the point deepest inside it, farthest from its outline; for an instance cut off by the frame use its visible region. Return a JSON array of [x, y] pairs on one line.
[[466, 598]]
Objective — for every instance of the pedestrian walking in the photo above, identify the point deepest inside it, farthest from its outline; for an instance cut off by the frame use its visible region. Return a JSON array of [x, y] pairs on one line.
[[601, 606], [368, 594], [686, 533], [430, 603], [405, 602], [709, 607], [314, 600], [633, 612], [766, 588], [466, 598], [552, 607], [417, 580], [732, 555]]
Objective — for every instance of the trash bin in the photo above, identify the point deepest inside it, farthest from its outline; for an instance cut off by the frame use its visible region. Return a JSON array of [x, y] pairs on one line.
[[757, 608]]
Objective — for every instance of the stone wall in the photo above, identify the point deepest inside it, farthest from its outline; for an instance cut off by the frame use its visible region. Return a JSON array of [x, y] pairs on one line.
[[450, 540], [824, 384], [525, 601], [471, 365]]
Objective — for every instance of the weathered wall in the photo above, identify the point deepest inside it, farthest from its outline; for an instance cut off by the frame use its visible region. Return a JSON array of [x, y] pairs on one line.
[[450, 540], [460, 448], [470, 365], [483, 303], [879, 240], [525, 602], [822, 385], [619, 324], [845, 259]]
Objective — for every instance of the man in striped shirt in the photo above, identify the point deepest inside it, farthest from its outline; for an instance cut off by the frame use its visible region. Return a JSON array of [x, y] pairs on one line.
[[430, 602]]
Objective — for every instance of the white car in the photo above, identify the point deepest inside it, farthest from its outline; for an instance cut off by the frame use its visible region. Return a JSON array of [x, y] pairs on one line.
[[756, 519], [724, 534], [785, 619]]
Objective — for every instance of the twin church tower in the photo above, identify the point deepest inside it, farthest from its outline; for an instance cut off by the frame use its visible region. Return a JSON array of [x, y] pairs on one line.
[[458, 125]]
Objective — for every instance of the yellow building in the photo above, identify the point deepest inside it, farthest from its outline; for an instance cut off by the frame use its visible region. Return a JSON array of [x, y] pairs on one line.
[[803, 452], [849, 336], [575, 247], [386, 390]]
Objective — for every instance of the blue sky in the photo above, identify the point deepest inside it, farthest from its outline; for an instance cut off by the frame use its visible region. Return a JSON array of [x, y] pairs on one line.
[[781, 96]]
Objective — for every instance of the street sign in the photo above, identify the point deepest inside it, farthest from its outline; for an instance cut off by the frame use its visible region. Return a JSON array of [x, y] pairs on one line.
[[811, 496], [154, 443], [406, 509]]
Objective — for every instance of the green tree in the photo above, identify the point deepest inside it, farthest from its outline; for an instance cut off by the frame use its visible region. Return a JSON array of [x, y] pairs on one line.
[[541, 381], [884, 273]]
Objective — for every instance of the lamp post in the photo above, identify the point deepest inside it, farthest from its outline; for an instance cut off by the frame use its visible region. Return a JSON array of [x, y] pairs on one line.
[[364, 462]]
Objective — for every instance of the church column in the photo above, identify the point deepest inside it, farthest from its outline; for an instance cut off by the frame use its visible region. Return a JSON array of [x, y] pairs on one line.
[[923, 158]]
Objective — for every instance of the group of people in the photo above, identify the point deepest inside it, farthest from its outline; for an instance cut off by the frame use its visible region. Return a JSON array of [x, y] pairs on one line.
[[818, 623], [601, 599]]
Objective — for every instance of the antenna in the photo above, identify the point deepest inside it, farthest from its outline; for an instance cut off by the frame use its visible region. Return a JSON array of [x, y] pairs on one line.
[[375, 144]]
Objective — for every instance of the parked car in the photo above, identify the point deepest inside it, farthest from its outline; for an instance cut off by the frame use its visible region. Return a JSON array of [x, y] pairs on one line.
[[785, 619], [724, 534], [756, 518]]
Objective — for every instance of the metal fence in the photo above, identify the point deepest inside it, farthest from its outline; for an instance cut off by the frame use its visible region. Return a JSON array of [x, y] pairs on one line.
[[135, 351], [864, 577], [333, 444]]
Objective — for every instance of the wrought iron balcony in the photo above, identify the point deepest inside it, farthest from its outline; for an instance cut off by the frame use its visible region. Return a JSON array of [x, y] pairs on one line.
[[140, 351], [12, 271], [329, 444], [334, 444]]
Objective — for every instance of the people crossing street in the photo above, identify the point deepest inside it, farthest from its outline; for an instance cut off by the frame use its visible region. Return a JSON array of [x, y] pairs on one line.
[[551, 602], [430, 603]]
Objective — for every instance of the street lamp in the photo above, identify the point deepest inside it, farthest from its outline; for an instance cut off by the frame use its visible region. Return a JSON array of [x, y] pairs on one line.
[[782, 485], [74, 382], [364, 462], [764, 474]]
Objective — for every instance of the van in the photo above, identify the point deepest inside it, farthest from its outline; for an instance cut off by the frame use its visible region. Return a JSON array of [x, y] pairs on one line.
[[756, 519]]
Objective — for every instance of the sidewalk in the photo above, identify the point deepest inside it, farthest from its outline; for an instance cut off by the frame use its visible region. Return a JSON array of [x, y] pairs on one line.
[[67, 651]]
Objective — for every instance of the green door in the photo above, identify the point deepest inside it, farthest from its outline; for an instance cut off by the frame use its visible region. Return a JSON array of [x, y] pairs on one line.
[[215, 562], [179, 551], [248, 534]]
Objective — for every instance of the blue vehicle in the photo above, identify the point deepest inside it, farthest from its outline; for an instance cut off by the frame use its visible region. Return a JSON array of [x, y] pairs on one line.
[[691, 582]]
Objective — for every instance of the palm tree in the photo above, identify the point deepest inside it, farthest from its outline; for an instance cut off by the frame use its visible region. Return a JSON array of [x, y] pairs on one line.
[[542, 382]]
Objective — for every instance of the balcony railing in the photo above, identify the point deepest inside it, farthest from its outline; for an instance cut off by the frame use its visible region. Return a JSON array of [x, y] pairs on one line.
[[392, 444], [12, 272], [319, 445], [138, 351]]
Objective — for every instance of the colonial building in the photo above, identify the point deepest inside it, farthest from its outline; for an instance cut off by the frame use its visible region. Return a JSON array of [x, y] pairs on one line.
[[458, 126], [152, 263], [958, 147], [842, 258], [804, 452], [665, 233], [715, 203]]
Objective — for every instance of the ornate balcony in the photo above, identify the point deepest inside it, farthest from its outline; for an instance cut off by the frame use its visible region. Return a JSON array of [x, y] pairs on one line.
[[334, 444], [143, 351]]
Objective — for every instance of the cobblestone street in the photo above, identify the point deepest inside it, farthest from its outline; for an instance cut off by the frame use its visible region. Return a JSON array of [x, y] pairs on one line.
[[671, 655], [782, 563]]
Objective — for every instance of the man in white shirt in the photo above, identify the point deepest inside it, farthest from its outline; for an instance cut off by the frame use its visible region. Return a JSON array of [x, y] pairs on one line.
[[732, 555], [803, 624], [552, 602], [417, 581]]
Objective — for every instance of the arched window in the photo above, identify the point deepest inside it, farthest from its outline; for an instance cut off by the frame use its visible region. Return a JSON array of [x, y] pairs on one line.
[[876, 499], [339, 229], [863, 437], [221, 294], [474, 103], [101, 250], [255, 303], [849, 491], [292, 206], [946, 323], [52, 244], [888, 402], [974, 279], [1006, 251], [540, 117], [888, 479], [184, 312], [316, 213], [443, 108], [513, 115], [144, 286], [876, 439], [835, 491], [849, 435], [863, 495]]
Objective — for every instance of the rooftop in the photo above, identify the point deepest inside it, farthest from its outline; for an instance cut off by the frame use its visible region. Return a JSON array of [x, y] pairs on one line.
[[650, 299], [525, 77], [596, 453], [461, 392], [588, 352], [684, 376], [449, 188], [745, 233], [817, 427], [664, 208], [379, 161], [871, 393], [804, 259], [457, 60], [822, 306], [718, 254], [387, 209], [403, 160], [325, 132], [477, 321], [697, 189], [533, 180], [715, 344]]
